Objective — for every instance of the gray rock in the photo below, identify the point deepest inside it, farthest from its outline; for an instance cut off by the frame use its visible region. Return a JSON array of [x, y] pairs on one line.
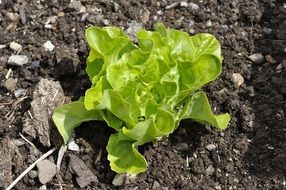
[[10, 84], [210, 147], [46, 171], [18, 60], [257, 58], [210, 170]]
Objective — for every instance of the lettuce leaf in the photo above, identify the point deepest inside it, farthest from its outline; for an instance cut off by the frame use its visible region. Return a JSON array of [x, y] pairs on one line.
[[144, 91]]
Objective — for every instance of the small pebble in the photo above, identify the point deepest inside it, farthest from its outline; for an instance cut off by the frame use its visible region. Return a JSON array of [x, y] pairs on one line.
[[210, 170], [184, 4], [18, 60], [48, 26], [237, 79], [173, 5], [267, 31], [115, 7], [2, 46], [236, 151], [182, 147], [270, 59], [49, 46], [10, 84], [43, 187], [33, 174], [257, 58], [19, 92], [156, 185], [119, 179], [194, 6], [73, 146], [209, 23], [61, 14], [145, 17], [279, 68], [15, 46], [34, 64], [229, 168], [210, 147], [84, 16], [14, 17], [22, 14]]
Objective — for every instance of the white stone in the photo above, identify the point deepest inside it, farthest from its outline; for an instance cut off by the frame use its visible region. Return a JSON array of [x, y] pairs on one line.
[[15, 46], [19, 92], [209, 23], [210, 147], [49, 46], [257, 58], [184, 4], [18, 60], [237, 79], [2, 46], [73, 146]]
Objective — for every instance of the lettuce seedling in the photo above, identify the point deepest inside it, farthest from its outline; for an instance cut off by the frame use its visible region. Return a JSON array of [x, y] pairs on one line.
[[144, 91]]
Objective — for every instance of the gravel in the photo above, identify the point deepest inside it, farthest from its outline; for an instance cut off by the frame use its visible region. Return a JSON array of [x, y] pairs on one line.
[[18, 60]]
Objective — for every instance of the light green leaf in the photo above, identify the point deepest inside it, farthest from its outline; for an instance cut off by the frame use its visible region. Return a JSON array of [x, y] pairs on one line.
[[124, 156], [71, 115], [198, 109]]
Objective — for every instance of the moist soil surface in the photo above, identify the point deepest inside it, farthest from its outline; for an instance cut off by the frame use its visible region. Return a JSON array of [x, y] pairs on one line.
[[250, 154]]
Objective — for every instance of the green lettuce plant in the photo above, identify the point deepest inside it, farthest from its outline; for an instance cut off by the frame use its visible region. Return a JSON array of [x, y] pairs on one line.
[[144, 91]]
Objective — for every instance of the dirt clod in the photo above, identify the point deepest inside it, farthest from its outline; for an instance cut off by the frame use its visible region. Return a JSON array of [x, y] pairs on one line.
[[84, 175], [47, 96]]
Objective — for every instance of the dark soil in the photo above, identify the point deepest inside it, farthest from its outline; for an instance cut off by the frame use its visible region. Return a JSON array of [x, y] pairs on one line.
[[250, 154]]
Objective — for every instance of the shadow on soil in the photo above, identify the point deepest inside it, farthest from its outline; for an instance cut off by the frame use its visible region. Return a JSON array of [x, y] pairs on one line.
[[266, 156]]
